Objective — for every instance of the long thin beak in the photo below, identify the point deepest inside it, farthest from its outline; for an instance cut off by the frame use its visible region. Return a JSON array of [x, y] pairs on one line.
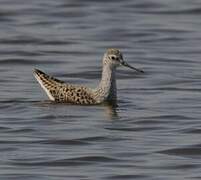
[[131, 67]]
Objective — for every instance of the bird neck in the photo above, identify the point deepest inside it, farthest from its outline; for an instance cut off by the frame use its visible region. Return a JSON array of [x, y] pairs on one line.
[[106, 89]]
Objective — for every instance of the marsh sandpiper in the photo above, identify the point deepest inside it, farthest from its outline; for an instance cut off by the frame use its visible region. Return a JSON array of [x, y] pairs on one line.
[[106, 91]]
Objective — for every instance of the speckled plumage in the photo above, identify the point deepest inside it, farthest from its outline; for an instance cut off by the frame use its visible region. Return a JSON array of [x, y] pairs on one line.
[[60, 91]]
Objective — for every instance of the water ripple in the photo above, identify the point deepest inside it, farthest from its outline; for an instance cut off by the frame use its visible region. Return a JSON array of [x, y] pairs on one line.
[[191, 151], [79, 161]]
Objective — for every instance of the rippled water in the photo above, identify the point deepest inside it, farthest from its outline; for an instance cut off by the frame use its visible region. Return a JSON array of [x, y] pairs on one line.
[[154, 133]]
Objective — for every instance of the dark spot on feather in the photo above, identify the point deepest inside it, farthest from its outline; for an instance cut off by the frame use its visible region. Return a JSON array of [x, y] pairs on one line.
[[52, 91]]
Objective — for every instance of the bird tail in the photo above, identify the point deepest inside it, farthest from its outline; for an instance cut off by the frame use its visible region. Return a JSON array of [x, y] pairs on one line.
[[48, 83]]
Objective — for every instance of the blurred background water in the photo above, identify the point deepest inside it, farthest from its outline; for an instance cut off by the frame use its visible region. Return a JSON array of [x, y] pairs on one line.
[[154, 133]]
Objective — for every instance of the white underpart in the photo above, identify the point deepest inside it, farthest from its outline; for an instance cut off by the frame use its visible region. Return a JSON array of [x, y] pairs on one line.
[[45, 89]]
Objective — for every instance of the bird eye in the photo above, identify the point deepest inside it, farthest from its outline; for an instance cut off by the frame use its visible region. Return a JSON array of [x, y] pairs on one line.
[[113, 58]]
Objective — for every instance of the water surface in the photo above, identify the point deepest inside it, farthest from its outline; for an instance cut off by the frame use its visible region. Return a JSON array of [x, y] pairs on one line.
[[155, 131]]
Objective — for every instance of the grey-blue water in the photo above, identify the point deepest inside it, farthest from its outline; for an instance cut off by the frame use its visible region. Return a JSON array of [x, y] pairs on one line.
[[154, 133]]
